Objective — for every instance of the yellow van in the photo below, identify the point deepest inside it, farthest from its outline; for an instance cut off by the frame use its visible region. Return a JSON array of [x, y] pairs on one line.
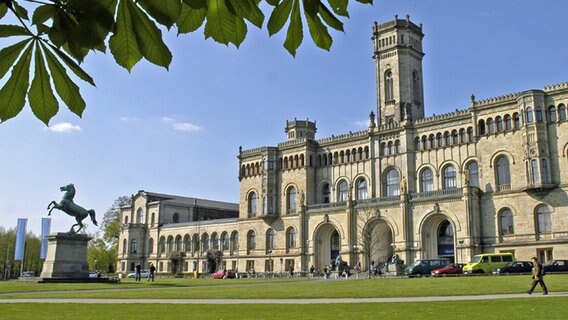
[[486, 262]]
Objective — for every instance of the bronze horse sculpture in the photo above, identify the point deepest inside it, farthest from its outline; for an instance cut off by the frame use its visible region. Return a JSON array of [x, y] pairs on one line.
[[71, 208]]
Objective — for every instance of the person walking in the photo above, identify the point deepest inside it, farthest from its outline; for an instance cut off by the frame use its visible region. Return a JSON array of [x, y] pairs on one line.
[[152, 271], [537, 277], [138, 272]]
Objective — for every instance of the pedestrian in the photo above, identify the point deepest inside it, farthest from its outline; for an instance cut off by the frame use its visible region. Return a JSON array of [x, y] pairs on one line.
[[373, 269], [537, 277], [358, 268], [138, 272], [152, 271], [291, 270], [312, 270]]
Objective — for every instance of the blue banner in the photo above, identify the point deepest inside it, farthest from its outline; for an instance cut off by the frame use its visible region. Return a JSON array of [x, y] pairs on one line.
[[20, 239], [45, 229]]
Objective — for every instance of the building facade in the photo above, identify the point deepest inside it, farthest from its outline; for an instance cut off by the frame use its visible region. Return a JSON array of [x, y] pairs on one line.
[[489, 178]]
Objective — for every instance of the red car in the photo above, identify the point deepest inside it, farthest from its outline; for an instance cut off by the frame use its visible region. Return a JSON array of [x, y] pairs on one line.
[[454, 268], [223, 274]]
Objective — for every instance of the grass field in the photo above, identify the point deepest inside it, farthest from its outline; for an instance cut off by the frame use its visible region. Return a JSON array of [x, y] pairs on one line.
[[551, 307]]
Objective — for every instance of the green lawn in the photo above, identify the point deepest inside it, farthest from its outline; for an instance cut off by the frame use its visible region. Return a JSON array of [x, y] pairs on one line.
[[552, 307]]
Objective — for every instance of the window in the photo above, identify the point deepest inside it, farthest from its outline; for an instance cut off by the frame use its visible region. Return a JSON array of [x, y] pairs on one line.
[[125, 219], [538, 111], [562, 112], [291, 238], [508, 123], [543, 171], [361, 189], [225, 241], [124, 246], [389, 91], [291, 200], [252, 204], [503, 173], [139, 214], [204, 242], [186, 243], [384, 150], [270, 239], [499, 123], [455, 140], [234, 242], [342, 191], [534, 171], [439, 140], [447, 139], [506, 222], [175, 217], [325, 193], [392, 183], [481, 127], [517, 120], [473, 171], [529, 115], [215, 241], [463, 136], [195, 243], [432, 141], [162, 246], [552, 114], [170, 244], [251, 240], [151, 246], [470, 134], [153, 217], [450, 180], [178, 243], [490, 126], [544, 220], [427, 180]]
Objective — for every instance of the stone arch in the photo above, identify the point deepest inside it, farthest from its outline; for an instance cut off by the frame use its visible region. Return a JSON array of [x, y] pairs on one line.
[[499, 153], [433, 244], [377, 236], [327, 241]]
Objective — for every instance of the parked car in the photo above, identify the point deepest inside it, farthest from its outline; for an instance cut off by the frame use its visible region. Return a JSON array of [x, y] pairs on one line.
[[515, 267], [425, 267], [556, 266], [454, 268], [486, 262], [28, 274], [94, 274], [220, 274], [143, 274]]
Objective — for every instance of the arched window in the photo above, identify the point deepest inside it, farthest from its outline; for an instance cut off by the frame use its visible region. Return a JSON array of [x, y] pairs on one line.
[[195, 247], [175, 217], [214, 241], [389, 91], [432, 141], [178, 243], [251, 240], [503, 174], [124, 246], [392, 183], [538, 111], [481, 127], [152, 219], [291, 200], [543, 171], [162, 246], [426, 180], [186, 243], [470, 134], [252, 204], [529, 115], [342, 191], [552, 114], [224, 241], [506, 222], [473, 171], [455, 140], [139, 214], [270, 239], [234, 242], [534, 171], [384, 150], [151, 245], [325, 193], [439, 140], [391, 148], [508, 123], [463, 136], [417, 143], [499, 123], [516, 121], [204, 242], [490, 126], [170, 244], [290, 238], [125, 219], [361, 189], [561, 112], [450, 180], [544, 219], [447, 139]]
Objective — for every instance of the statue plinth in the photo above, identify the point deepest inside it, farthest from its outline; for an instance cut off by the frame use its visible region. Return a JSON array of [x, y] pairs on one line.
[[66, 256]]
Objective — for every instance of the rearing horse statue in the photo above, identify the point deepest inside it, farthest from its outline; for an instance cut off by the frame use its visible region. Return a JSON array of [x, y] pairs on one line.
[[71, 208]]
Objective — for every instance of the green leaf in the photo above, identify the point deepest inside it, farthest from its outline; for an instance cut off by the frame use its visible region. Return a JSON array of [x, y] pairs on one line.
[[66, 88], [295, 33], [21, 11], [249, 10], [273, 3], [3, 10], [196, 4], [339, 7], [123, 43], [240, 31], [73, 66], [190, 18], [166, 12], [13, 93], [319, 33], [311, 7], [329, 18], [220, 23], [43, 13], [11, 30], [149, 37], [279, 17], [42, 101], [365, 1], [9, 54]]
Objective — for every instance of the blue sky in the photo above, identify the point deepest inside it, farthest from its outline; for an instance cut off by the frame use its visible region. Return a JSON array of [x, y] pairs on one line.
[[179, 131]]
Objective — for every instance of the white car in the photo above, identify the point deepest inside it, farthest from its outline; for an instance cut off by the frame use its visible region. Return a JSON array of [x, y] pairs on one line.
[[143, 274]]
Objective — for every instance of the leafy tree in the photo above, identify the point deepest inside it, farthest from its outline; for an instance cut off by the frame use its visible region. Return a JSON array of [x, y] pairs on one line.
[[10, 268], [101, 256], [110, 226], [66, 31]]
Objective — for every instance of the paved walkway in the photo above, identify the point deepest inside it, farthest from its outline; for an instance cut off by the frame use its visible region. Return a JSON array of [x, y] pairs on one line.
[[287, 301]]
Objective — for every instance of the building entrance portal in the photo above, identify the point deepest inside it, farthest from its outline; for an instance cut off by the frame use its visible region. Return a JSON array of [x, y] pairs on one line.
[[438, 238], [327, 246]]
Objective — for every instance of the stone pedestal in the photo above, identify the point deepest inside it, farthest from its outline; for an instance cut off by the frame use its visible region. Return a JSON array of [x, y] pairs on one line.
[[66, 256], [395, 269]]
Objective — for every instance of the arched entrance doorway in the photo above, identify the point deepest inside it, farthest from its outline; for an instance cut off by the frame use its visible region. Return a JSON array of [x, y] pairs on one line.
[[438, 238], [327, 245], [376, 242]]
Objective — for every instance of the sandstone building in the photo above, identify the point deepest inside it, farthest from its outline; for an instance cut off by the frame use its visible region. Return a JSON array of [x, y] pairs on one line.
[[489, 178]]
